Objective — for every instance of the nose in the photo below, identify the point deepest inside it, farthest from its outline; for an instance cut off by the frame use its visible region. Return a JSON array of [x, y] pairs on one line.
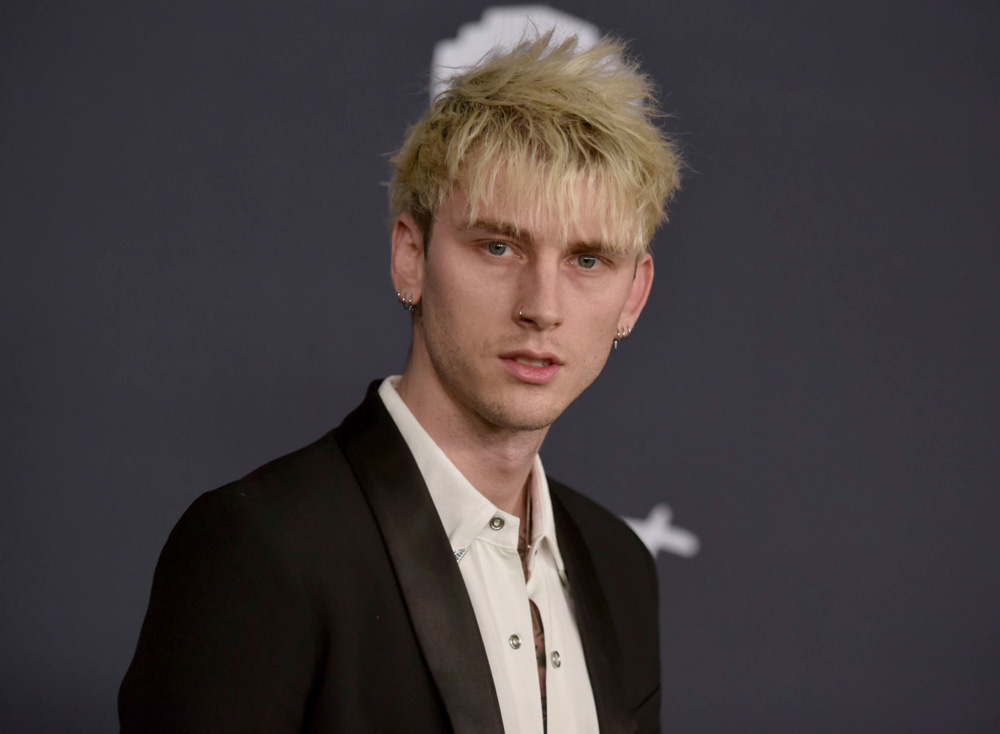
[[540, 304]]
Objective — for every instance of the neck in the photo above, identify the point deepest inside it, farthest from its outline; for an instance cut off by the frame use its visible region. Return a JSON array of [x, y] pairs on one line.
[[496, 460]]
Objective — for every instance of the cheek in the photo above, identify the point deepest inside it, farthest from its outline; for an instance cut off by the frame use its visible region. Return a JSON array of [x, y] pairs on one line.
[[469, 294], [600, 310], [597, 355], [452, 281], [460, 312]]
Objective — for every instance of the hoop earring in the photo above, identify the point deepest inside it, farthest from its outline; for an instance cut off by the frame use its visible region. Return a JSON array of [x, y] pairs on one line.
[[623, 333], [405, 300]]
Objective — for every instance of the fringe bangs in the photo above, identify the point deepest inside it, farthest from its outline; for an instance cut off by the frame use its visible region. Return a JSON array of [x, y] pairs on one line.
[[558, 131]]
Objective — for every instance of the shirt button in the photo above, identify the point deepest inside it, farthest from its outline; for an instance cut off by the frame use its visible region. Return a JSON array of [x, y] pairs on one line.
[[514, 640], [496, 523], [556, 660]]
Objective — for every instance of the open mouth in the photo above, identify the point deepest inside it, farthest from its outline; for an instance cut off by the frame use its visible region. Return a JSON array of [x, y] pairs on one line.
[[537, 368], [533, 362]]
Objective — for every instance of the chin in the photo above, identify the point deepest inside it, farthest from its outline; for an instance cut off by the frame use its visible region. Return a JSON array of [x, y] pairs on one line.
[[524, 413]]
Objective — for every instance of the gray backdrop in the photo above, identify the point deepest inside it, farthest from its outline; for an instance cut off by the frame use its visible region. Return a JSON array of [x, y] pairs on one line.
[[195, 280]]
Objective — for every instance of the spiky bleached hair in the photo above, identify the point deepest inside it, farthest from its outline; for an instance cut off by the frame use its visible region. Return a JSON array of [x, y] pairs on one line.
[[558, 128]]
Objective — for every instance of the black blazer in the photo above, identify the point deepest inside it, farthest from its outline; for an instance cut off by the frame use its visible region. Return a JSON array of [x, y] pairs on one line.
[[320, 594]]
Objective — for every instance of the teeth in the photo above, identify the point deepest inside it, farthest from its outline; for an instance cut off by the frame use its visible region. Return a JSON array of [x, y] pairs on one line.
[[533, 362]]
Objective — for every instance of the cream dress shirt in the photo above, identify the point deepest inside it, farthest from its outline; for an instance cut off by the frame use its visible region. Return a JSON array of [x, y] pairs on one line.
[[484, 541]]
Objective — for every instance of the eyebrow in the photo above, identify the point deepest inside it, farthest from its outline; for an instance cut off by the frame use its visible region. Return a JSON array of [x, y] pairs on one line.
[[503, 228]]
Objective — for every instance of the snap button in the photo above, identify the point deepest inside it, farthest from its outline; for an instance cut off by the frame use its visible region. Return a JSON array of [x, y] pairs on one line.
[[496, 523], [556, 660], [514, 641]]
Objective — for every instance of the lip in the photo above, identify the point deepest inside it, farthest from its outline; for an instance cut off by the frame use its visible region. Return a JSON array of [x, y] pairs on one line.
[[530, 373]]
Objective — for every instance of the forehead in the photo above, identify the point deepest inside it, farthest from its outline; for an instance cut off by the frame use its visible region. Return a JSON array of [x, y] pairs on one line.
[[577, 207]]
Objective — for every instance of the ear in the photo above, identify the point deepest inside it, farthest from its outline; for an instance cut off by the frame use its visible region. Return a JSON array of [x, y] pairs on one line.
[[638, 292], [408, 257]]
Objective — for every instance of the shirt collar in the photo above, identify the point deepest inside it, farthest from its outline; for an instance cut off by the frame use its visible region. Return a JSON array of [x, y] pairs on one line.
[[463, 510]]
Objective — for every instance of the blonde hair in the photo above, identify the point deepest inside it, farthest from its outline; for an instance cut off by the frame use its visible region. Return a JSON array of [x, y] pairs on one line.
[[559, 127]]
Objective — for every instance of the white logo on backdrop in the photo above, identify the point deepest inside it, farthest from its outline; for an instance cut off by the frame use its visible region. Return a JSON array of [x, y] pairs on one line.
[[502, 28], [659, 535]]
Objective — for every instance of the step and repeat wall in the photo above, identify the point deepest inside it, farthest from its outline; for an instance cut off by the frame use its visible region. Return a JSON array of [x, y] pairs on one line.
[[803, 428]]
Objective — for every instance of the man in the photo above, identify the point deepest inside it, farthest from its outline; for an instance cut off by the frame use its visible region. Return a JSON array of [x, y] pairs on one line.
[[414, 570]]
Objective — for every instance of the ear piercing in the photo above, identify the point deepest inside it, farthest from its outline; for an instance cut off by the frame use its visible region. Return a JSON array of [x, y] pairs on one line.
[[623, 333], [406, 300]]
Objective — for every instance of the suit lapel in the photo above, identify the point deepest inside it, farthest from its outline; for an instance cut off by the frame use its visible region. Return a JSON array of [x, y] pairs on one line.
[[597, 633], [432, 586]]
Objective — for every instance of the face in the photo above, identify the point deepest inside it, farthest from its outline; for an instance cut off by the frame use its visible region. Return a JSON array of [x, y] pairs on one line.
[[513, 324]]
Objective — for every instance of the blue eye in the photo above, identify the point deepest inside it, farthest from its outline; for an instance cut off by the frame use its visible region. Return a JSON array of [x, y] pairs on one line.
[[498, 248], [588, 262]]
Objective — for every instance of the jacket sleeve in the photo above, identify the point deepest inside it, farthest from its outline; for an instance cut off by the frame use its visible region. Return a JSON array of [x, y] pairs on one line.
[[228, 643]]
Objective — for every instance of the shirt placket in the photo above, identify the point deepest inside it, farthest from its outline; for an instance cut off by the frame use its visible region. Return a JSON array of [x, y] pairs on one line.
[[525, 551]]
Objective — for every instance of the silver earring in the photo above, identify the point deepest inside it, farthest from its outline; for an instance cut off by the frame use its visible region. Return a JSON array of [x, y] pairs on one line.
[[406, 300], [623, 333]]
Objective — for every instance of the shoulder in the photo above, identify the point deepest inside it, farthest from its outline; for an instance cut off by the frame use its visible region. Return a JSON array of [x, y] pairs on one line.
[[289, 505], [233, 632], [627, 577], [624, 566], [611, 542]]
